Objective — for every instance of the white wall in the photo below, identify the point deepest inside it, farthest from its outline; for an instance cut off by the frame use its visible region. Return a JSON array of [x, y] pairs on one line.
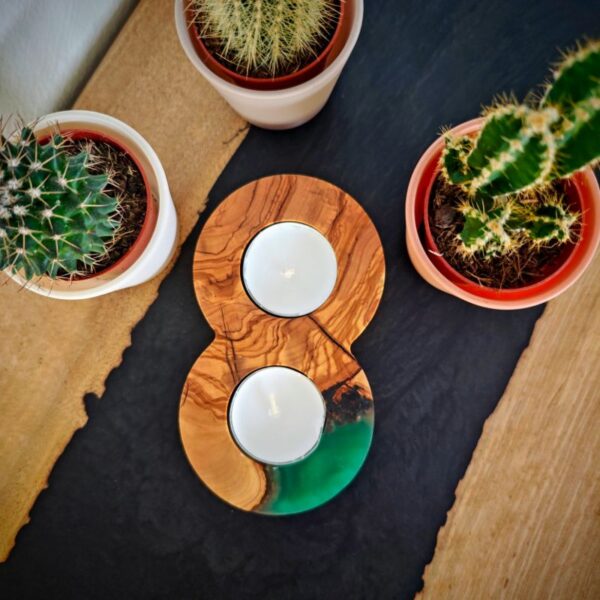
[[49, 48]]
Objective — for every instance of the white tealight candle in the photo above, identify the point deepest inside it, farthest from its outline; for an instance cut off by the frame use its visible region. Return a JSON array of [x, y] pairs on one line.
[[289, 269], [276, 415]]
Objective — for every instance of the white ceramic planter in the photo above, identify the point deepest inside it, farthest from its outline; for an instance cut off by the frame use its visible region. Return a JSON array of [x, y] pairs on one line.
[[276, 109], [161, 245]]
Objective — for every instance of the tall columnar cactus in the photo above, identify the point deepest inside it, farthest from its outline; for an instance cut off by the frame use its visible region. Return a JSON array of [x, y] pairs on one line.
[[519, 147], [265, 36], [514, 151], [575, 95], [55, 218]]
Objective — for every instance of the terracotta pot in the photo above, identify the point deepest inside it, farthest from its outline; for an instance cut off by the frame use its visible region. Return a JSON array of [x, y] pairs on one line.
[[278, 107], [583, 192], [317, 65], [157, 239]]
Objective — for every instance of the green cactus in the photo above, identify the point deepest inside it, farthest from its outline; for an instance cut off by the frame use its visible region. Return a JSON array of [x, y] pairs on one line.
[[261, 37], [521, 148], [507, 170], [496, 227], [513, 152], [55, 219], [575, 95], [549, 222], [486, 229]]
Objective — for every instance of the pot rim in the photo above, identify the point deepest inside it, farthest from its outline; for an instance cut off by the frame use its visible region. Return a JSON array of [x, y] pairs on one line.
[[418, 253], [307, 87], [288, 80]]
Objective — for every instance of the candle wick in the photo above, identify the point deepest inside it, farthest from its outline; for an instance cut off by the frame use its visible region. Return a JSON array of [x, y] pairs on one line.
[[289, 272], [274, 409]]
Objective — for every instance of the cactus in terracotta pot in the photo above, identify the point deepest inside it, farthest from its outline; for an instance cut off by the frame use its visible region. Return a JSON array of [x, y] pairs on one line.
[[265, 36], [55, 218], [522, 149]]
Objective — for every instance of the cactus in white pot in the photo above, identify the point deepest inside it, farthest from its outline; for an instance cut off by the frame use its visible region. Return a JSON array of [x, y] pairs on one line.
[[55, 217], [85, 207]]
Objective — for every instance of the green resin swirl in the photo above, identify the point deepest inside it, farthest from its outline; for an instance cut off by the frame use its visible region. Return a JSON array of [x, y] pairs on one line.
[[308, 483]]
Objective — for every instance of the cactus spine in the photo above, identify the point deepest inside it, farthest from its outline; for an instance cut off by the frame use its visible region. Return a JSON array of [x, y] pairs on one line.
[[520, 149], [55, 218], [261, 37]]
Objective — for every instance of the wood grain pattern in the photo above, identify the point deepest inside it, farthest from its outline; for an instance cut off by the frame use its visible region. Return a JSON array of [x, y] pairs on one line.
[[53, 352], [248, 338], [526, 521]]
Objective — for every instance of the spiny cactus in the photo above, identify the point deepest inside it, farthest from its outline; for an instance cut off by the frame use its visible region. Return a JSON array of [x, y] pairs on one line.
[[55, 219], [494, 227], [520, 148], [265, 37], [508, 168], [486, 228], [575, 95], [549, 222], [513, 151]]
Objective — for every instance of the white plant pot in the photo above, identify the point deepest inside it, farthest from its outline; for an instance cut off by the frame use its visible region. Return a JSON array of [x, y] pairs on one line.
[[276, 109], [161, 245]]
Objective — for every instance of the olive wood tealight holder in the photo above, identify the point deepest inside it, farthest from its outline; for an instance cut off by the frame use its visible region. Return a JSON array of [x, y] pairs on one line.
[[247, 339]]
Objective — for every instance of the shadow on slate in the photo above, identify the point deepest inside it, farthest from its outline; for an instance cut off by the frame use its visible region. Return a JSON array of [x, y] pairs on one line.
[[126, 517]]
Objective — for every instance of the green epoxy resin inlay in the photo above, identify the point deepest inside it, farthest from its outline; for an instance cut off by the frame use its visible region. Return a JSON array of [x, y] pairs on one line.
[[323, 474]]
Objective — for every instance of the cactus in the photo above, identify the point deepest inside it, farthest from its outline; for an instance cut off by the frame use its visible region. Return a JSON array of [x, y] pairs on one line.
[[575, 95], [520, 148], [507, 170], [265, 36], [513, 152], [486, 229], [55, 218], [550, 222], [495, 227]]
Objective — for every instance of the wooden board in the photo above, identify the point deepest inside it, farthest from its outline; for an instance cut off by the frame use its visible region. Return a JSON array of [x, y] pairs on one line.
[[317, 345], [53, 352], [526, 521]]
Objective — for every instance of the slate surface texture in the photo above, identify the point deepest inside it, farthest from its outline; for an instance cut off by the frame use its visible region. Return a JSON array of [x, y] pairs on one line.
[[126, 517]]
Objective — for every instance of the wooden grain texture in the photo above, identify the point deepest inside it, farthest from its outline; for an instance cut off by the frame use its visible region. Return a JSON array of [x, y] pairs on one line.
[[247, 338], [526, 521], [53, 352]]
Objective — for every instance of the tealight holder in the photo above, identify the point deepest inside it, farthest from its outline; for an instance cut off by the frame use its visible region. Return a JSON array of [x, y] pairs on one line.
[[276, 415]]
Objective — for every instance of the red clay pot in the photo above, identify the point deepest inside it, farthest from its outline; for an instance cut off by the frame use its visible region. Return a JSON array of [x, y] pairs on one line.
[[149, 223], [584, 195], [319, 64]]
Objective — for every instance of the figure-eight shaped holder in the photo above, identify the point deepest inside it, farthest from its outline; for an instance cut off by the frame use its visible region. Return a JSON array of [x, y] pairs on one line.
[[248, 339]]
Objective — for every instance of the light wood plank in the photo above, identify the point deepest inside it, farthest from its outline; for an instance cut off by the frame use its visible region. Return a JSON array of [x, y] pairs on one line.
[[526, 521]]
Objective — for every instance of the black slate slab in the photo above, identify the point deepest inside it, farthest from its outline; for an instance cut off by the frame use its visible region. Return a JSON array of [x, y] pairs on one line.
[[125, 516]]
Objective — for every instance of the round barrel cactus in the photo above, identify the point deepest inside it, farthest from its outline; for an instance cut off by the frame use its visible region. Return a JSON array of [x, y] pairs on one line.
[[55, 218]]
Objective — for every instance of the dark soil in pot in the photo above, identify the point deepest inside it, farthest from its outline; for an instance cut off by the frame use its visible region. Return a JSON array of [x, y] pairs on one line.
[[127, 182], [526, 266]]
